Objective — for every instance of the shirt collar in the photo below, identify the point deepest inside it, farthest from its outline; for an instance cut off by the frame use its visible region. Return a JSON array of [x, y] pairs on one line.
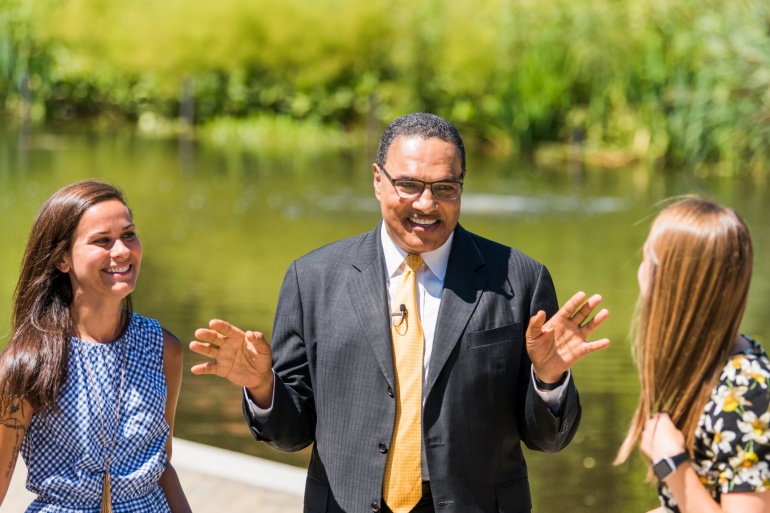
[[436, 260]]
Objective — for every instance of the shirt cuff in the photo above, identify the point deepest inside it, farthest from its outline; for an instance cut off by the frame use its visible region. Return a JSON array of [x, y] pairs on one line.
[[259, 415], [553, 398]]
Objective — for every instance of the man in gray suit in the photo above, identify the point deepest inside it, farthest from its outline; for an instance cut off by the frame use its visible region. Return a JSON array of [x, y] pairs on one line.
[[495, 373]]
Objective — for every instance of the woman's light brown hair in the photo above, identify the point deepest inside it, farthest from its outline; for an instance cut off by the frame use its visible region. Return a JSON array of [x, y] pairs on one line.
[[701, 263]]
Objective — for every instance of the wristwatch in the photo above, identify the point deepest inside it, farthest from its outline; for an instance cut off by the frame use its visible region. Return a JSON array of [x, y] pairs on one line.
[[542, 385], [667, 465]]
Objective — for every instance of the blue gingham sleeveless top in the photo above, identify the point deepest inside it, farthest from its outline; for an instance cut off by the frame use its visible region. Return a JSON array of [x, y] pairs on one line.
[[64, 451]]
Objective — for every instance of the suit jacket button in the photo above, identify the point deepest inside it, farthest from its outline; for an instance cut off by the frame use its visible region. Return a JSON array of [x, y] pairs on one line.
[[375, 506], [390, 392], [383, 448]]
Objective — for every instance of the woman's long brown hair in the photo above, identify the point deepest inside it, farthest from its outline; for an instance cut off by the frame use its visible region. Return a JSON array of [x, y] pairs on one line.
[[33, 367], [701, 263]]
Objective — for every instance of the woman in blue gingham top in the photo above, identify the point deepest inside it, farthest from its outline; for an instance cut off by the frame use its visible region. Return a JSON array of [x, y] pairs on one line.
[[54, 442], [88, 389]]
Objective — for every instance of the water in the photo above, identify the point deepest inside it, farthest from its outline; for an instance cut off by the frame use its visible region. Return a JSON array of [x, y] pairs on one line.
[[220, 228]]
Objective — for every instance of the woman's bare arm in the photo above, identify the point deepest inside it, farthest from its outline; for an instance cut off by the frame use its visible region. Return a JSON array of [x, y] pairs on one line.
[[172, 368], [13, 426]]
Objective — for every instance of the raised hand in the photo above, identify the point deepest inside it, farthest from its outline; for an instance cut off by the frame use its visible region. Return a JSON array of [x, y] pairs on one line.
[[243, 358], [555, 346]]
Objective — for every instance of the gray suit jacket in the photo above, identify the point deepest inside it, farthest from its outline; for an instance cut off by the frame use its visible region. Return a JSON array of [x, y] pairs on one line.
[[334, 367]]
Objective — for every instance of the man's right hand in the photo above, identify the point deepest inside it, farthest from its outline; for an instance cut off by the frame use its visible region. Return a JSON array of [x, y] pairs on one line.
[[244, 358]]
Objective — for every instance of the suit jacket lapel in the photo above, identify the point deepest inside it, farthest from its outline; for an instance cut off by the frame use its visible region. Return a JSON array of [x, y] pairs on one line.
[[463, 285], [369, 298]]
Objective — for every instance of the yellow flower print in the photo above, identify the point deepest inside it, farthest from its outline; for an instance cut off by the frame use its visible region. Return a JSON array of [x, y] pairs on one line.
[[733, 368], [730, 399], [750, 460], [722, 438], [743, 459], [755, 428], [756, 476], [751, 373]]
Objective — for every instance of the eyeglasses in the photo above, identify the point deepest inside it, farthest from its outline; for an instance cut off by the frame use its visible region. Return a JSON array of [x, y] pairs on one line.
[[408, 188]]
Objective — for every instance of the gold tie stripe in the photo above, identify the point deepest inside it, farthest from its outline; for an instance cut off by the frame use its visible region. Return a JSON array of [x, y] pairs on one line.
[[402, 487]]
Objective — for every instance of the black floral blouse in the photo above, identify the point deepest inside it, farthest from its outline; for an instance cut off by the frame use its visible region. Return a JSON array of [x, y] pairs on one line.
[[732, 441]]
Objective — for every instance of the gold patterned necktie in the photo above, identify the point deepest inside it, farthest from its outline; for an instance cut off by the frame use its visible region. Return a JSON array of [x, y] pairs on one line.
[[402, 487]]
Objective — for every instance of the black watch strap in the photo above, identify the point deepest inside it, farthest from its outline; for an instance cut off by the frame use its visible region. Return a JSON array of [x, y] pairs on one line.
[[542, 385], [667, 465]]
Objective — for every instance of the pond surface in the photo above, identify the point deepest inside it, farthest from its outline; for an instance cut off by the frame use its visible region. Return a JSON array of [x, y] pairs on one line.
[[220, 228]]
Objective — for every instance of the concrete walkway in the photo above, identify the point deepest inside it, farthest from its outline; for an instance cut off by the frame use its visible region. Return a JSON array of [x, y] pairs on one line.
[[214, 480]]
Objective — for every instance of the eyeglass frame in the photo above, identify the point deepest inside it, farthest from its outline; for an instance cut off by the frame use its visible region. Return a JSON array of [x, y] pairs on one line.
[[424, 184]]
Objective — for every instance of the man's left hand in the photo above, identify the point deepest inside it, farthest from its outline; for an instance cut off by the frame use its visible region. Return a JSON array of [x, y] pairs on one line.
[[555, 346]]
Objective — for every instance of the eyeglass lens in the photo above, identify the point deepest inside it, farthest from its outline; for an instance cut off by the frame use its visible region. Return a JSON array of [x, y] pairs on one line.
[[441, 190]]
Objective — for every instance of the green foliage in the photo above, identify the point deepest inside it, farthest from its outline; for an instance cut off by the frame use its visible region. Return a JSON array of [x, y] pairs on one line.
[[682, 81], [24, 59], [719, 109], [276, 135]]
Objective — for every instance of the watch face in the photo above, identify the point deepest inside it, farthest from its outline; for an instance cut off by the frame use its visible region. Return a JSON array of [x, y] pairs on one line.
[[663, 469], [668, 465]]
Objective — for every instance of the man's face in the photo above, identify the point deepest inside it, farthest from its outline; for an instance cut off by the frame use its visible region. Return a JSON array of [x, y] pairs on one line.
[[423, 223]]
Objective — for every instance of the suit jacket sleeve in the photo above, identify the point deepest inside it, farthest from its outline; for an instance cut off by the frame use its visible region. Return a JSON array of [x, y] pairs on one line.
[[290, 426], [542, 429]]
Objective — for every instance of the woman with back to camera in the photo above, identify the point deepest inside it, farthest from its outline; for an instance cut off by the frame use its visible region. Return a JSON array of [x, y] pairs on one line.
[[88, 389], [703, 417]]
